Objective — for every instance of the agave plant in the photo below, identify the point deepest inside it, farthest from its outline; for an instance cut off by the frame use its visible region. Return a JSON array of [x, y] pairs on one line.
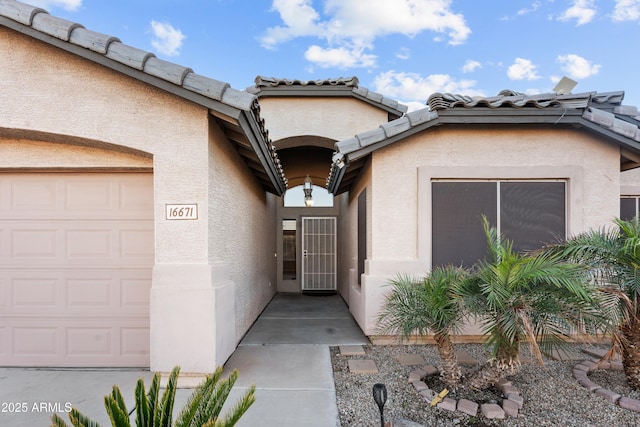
[[202, 408], [422, 306], [614, 255], [537, 299]]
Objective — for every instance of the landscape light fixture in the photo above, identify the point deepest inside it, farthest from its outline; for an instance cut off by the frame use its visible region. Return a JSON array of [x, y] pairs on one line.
[[308, 188], [380, 397]]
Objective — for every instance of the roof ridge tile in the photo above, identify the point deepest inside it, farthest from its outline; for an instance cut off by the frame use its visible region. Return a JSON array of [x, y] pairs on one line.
[[54, 26], [93, 40], [19, 12]]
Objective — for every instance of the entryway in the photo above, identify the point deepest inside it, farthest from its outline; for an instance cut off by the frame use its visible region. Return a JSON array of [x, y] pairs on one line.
[[307, 251], [286, 355]]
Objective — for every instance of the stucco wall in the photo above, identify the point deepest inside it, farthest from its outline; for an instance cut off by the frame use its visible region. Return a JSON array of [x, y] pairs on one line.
[[400, 188], [199, 284], [333, 118], [242, 226], [630, 182]]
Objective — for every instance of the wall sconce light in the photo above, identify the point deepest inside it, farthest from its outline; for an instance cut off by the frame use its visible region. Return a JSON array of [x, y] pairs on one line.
[[308, 188]]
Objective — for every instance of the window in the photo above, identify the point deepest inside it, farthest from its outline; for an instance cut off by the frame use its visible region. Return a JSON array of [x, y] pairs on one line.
[[289, 263], [628, 207], [529, 213], [294, 197], [362, 233]]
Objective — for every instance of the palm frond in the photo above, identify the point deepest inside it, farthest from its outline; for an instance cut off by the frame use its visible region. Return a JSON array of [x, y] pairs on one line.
[[78, 419], [165, 413]]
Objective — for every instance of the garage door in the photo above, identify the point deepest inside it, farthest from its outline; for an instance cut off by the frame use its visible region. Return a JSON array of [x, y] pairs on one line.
[[76, 253]]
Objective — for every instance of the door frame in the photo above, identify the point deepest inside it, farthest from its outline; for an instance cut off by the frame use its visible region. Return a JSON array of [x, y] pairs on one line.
[[333, 253]]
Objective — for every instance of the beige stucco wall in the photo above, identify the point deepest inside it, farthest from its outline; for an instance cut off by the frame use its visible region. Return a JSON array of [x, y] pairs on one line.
[[400, 189], [333, 118], [630, 182], [199, 285]]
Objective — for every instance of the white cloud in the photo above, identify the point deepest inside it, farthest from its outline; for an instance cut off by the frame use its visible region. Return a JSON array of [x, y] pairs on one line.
[[354, 24], [340, 57], [626, 10], [582, 11], [470, 66], [578, 67], [522, 69], [535, 6], [414, 89], [166, 39], [70, 5], [403, 53]]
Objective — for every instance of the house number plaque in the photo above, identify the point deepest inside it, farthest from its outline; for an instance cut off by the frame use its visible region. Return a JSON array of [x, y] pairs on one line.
[[178, 212]]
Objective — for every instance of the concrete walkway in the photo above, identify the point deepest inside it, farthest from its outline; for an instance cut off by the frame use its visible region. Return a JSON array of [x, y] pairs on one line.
[[285, 354]]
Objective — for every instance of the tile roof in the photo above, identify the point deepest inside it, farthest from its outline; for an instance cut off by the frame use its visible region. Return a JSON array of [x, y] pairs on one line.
[[237, 111], [602, 113], [342, 86]]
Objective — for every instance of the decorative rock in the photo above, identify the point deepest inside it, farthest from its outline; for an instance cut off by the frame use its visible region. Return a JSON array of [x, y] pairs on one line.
[[430, 370], [411, 359], [589, 385], [448, 404], [468, 407], [492, 411], [608, 394], [629, 403], [617, 366], [519, 400], [588, 363], [420, 385], [510, 407], [362, 366]]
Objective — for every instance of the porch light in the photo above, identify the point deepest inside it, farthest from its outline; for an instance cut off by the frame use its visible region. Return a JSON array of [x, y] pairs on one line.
[[380, 397], [308, 188]]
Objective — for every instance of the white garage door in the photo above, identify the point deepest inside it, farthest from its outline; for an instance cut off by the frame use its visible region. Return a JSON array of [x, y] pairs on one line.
[[76, 253]]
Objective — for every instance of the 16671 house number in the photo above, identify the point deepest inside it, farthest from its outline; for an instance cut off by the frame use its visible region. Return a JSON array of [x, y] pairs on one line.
[[178, 212]]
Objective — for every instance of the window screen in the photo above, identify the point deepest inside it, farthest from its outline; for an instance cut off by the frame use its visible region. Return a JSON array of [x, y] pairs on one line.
[[458, 207], [529, 213], [532, 213], [628, 208]]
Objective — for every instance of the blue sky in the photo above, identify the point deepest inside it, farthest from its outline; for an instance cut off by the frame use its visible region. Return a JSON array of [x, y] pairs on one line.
[[404, 49]]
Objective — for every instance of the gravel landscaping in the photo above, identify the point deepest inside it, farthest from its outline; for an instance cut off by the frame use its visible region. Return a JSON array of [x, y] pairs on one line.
[[552, 396]]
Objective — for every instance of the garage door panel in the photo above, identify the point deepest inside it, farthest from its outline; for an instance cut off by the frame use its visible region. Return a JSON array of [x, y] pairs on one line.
[[76, 253], [94, 244], [64, 196], [34, 341], [62, 293]]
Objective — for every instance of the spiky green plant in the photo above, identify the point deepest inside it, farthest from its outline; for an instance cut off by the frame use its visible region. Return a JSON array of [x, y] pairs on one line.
[[422, 306], [613, 253], [537, 298], [202, 408]]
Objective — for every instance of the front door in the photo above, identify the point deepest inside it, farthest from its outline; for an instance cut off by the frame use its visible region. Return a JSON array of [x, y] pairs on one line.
[[319, 269]]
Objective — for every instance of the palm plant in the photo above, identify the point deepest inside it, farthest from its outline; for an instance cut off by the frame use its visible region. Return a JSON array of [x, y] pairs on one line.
[[537, 299], [417, 306], [202, 408], [614, 255]]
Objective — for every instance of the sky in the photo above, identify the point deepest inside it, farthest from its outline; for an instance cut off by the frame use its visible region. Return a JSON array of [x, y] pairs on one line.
[[403, 49]]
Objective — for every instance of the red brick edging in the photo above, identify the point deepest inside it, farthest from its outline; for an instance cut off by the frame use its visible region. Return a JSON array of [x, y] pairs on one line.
[[580, 372]]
